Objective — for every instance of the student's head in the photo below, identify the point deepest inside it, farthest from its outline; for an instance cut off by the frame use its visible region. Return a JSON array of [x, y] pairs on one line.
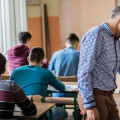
[[2, 64], [24, 38], [115, 21], [72, 40], [36, 56]]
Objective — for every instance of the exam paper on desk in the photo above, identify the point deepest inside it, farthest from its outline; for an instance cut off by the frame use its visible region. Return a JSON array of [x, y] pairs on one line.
[[67, 88], [17, 109]]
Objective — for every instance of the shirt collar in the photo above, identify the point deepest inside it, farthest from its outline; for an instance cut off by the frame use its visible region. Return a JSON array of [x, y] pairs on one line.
[[108, 29], [69, 48]]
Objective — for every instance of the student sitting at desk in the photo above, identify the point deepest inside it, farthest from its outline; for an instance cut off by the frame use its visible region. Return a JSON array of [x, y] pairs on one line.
[[65, 62], [34, 79], [17, 55], [11, 93]]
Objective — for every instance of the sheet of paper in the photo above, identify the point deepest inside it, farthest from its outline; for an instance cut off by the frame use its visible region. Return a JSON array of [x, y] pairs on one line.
[[51, 88], [17, 109], [70, 87], [67, 88]]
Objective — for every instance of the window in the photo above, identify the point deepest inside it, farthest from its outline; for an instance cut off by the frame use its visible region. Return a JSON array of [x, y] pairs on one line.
[[13, 20]]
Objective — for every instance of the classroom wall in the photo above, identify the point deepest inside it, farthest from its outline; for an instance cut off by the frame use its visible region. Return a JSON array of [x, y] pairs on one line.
[[79, 16], [35, 24], [117, 2], [66, 16], [54, 27]]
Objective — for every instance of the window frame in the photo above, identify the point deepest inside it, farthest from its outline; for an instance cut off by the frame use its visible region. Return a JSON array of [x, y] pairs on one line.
[[13, 19]]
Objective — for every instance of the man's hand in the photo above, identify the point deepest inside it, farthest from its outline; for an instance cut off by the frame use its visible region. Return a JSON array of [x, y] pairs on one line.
[[93, 114]]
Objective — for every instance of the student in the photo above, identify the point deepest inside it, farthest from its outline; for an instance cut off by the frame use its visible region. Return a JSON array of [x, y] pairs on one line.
[[34, 79], [17, 55], [11, 93], [65, 62]]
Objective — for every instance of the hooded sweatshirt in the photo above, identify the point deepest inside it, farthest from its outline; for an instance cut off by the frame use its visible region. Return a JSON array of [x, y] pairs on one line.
[[17, 56]]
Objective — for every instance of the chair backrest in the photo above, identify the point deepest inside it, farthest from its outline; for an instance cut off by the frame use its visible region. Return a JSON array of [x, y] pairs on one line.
[[67, 79], [35, 98], [5, 77]]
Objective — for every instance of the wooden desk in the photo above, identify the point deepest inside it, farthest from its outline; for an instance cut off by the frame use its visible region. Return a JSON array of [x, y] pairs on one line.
[[41, 109], [5, 77], [71, 83], [52, 89], [74, 91]]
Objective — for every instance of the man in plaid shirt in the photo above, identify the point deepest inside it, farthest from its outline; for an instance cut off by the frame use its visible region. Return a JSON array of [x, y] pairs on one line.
[[98, 65]]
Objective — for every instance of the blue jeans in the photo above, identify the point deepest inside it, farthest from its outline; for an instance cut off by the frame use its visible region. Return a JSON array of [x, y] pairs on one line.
[[57, 113], [63, 94]]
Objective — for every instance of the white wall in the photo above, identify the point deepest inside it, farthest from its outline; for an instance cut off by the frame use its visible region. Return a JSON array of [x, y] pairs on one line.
[[118, 2]]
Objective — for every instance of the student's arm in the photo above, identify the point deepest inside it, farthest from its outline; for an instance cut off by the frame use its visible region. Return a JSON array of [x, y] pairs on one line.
[[55, 83], [27, 107]]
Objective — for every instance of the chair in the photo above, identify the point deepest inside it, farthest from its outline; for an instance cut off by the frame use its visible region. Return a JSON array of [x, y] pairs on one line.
[[63, 100], [36, 98], [5, 77], [67, 79], [60, 100]]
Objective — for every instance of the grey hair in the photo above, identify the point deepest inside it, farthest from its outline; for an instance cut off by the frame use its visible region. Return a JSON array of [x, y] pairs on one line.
[[115, 12]]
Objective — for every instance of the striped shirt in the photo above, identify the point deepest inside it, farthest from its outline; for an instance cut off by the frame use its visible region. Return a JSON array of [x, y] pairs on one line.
[[99, 62], [11, 94]]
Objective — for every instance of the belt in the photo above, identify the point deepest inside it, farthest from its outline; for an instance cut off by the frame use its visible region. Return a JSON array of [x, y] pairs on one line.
[[101, 92]]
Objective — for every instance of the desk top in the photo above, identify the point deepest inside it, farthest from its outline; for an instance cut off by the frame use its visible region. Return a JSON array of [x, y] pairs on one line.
[[41, 109], [70, 83], [70, 87]]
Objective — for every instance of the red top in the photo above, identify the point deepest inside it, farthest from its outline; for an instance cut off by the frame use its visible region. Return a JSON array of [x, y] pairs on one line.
[[45, 63], [17, 56]]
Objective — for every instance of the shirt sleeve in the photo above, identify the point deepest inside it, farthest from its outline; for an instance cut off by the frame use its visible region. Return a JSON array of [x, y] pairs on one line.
[[119, 60], [56, 83], [90, 49], [27, 107]]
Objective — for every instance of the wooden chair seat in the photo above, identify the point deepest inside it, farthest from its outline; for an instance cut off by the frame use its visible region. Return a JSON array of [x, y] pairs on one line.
[[67, 79], [35, 98], [5, 77], [60, 100]]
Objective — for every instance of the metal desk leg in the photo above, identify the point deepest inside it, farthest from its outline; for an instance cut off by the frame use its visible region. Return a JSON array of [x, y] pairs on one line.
[[50, 114], [75, 106]]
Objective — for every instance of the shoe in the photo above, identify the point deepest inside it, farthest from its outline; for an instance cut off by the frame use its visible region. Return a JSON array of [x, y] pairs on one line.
[[79, 116]]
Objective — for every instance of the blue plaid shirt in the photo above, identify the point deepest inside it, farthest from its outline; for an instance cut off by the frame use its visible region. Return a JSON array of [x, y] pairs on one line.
[[99, 62]]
